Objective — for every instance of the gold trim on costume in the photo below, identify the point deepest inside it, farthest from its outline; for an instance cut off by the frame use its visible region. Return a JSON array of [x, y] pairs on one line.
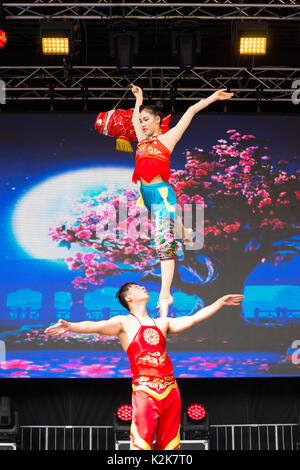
[[155, 394], [137, 439], [175, 442]]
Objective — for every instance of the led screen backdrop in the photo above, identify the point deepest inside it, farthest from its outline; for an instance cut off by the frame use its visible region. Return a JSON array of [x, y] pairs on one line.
[[66, 246]]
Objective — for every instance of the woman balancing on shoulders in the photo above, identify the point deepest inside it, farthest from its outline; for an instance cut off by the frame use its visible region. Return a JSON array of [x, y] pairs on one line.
[[153, 170]]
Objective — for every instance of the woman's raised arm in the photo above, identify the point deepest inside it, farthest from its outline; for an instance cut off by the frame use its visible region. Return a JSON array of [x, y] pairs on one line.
[[138, 93], [171, 137]]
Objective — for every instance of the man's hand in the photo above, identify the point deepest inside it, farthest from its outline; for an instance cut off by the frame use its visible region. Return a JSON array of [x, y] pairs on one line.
[[232, 299], [221, 95], [176, 325], [61, 327]]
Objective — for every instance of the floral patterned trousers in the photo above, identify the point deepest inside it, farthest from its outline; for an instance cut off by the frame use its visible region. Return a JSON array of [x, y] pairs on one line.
[[160, 200]]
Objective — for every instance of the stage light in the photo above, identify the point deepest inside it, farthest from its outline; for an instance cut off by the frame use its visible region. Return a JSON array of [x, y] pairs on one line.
[[253, 45], [9, 425], [55, 46], [3, 29], [124, 413], [186, 45], [56, 38], [122, 422], [123, 47], [3, 38], [196, 422], [250, 38], [196, 412]]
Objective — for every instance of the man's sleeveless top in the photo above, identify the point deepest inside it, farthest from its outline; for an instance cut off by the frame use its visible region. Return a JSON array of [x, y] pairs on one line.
[[151, 367]]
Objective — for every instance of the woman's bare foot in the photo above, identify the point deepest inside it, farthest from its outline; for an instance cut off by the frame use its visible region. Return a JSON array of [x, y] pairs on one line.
[[163, 304]]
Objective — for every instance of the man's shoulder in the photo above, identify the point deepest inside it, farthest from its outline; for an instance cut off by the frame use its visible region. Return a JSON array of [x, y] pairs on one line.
[[163, 323]]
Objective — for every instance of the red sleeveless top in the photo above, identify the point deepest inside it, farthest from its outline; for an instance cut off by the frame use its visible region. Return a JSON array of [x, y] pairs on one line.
[[152, 159], [150, 364]]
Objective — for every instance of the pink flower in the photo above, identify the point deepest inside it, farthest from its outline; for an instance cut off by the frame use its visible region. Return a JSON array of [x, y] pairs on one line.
[[265, 202], [91, 272], [20, 374], [95, 370], [263, 193], [15, 364], [247, 169], [248, 136], [83, 234]]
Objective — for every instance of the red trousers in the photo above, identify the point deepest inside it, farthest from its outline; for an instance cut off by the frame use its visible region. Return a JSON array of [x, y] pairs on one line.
[[152, 416]]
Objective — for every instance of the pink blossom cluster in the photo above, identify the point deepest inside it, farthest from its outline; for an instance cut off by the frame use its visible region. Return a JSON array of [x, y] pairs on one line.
[[234, 173]]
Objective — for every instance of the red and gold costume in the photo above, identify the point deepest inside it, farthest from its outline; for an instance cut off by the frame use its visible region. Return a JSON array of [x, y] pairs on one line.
[[152, 159], [156, 399]]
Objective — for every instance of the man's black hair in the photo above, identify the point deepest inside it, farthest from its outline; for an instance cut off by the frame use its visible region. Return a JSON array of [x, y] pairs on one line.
[[122, 292]]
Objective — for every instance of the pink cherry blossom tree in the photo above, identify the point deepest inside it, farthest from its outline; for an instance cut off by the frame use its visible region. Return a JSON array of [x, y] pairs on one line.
[[251, 214]]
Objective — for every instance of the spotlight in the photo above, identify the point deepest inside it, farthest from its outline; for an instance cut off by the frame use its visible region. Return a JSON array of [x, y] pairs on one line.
[[8, 425], [253, 45], [124, 413], [252, 38], [122, 422], [3, 29], [186, 44], [60, 38], [196, 412], [59, 45], [195, 422], [3, 38], [123, 46]]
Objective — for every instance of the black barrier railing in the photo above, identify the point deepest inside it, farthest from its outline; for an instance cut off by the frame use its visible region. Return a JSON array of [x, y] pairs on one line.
[[222, 437]]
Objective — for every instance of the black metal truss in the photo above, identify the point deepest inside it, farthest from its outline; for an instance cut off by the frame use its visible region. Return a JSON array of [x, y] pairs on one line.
[[107, 83], [287, 10]]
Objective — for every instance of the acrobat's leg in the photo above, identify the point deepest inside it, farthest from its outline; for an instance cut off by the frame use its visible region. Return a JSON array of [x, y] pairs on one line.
[[160, 200], [165, 242], [144, 423], [168, 433]]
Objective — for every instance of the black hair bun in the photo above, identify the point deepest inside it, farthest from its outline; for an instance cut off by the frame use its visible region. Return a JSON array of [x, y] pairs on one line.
[[159, 105]]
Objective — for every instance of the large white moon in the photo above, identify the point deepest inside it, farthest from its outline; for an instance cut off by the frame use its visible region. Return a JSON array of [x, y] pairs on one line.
[[47, 203]]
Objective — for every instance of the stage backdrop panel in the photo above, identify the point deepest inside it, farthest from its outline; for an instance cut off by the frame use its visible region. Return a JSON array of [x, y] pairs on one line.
[[71, 235]]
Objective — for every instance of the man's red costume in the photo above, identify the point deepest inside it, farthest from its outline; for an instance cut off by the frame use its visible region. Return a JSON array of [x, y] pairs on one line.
[[156, 399]]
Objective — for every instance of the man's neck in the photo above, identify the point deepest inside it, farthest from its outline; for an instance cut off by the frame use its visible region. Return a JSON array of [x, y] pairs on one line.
[[139, 311]]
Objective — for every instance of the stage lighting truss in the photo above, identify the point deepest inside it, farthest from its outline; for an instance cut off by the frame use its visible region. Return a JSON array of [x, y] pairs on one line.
[[107, 83], [109, 10]]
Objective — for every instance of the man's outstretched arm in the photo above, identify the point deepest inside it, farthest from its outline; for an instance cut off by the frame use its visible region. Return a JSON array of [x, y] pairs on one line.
[[176, 325], [111, 327]]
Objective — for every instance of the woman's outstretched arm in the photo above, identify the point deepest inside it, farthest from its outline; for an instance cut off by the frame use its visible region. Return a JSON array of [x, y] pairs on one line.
[[171, 137]]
